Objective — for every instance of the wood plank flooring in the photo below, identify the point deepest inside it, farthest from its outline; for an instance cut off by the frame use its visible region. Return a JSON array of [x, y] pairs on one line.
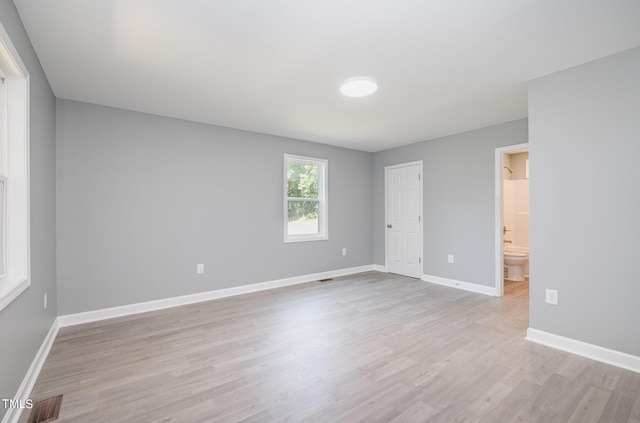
[[371, 347]]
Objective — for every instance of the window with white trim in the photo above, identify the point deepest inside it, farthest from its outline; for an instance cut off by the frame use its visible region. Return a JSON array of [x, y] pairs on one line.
[[305, 199], [3, 177], [14, 173]]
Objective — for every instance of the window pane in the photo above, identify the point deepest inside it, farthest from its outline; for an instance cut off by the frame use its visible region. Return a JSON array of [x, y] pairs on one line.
[[2, 225], [303, 217], [302, 180]]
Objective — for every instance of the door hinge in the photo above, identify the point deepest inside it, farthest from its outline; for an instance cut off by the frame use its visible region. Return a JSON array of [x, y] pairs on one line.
[[418, 176], [419, 219], [419, 260]]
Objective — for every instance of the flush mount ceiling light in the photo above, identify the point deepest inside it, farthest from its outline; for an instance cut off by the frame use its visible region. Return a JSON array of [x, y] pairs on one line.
[[358, 87]]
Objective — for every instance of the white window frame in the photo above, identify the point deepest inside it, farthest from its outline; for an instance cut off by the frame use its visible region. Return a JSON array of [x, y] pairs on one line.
[[3, 221], [14, 142], [323, 207], [3, 224], [3, 178]]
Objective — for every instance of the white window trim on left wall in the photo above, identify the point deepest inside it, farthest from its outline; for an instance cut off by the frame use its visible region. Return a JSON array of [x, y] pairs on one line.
[[14, 141]]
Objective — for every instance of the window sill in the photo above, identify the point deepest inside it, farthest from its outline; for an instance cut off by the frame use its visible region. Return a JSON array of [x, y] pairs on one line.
[[10, 289], [306, 239]]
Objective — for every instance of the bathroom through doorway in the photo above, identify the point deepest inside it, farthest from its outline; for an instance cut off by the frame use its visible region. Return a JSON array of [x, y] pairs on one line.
[[512, 220]]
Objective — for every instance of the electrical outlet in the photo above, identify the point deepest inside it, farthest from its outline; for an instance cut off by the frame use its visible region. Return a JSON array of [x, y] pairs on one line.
[[45, 300], [200, 269], [552, 296], [450, 258], [344, 251]]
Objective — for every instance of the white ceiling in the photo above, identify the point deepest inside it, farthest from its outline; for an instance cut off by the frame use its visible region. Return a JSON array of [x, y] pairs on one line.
[[442, 66]]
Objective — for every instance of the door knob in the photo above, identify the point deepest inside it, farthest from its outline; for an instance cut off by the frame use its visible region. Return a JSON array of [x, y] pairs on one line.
[[389, 226]]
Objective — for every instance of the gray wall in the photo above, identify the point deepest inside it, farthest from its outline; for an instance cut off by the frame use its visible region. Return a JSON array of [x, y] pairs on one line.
[[585, 201], [24, 323], [458, 200], [142, 199]]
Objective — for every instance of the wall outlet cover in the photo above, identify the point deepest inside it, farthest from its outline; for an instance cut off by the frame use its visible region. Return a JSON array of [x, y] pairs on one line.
[[552, 296]]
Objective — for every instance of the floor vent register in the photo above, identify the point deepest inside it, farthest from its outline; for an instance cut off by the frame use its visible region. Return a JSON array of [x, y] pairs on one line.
[[46, 410]]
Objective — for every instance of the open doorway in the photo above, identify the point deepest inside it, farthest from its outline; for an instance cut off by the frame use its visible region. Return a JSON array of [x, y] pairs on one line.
[[512, 220]]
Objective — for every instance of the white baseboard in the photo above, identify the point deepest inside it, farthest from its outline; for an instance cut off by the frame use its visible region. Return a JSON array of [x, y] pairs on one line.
[[379, 268], [594, 352], [126, 310], [24, 391], [467, 286]]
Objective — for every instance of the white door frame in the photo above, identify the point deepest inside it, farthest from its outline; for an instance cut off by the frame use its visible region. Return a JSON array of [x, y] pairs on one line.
[[499, 211], [387, 214]]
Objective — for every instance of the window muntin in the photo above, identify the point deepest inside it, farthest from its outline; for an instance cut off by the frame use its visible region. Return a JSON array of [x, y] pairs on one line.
[[305, 217]]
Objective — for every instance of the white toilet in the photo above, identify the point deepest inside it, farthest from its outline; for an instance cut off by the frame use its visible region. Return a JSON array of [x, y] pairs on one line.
[[514, 261]]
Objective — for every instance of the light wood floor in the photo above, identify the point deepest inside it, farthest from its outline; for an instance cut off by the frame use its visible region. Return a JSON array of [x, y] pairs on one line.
[[370, 347]]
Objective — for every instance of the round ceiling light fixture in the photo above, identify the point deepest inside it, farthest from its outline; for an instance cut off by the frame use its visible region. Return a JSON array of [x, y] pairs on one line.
[[360, 86]]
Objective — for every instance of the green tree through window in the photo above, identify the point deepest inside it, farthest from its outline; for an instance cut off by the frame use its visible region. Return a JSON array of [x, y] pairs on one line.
[[302, 190]]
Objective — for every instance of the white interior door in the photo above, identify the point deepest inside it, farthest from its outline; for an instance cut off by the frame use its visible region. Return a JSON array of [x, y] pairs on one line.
[[403, 197]]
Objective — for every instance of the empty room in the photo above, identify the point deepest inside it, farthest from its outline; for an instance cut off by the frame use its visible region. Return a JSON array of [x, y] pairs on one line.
[[336, 211]]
